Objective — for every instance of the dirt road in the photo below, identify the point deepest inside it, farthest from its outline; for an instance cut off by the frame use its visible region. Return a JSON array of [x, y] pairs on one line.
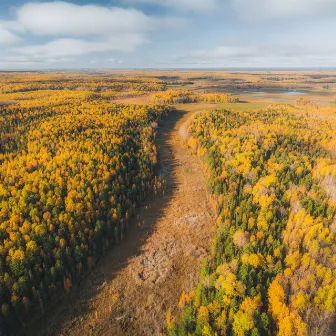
[[132, 287]]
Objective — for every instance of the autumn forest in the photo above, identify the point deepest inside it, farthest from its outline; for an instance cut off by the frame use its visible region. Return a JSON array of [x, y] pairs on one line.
[[168, 203]]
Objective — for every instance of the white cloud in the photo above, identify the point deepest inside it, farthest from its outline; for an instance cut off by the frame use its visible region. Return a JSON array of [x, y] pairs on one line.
[[112, 60], [192, 5], [27, 62], [223, 52], [252, 51], [76, 30], [15, 59], [51, 32], [13, 26], [6, 37], [282, 9], [6, 32], [262, 56], [77, 47], [62, 18]]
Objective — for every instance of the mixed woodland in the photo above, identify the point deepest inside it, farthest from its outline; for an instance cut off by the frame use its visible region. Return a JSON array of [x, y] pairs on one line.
[[272, 266], [76, 160], [73, 167]]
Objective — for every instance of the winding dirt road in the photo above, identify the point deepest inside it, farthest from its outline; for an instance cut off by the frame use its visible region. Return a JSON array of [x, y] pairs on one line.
[[130, 290]]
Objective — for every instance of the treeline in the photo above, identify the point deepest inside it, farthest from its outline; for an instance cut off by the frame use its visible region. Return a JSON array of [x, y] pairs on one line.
[[27, 82], [272, 266], [185, 97], [71, 174]]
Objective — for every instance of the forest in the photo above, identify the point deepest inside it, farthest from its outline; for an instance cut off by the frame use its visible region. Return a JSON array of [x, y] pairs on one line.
[[79, 156], [272, 266], [73, 167]]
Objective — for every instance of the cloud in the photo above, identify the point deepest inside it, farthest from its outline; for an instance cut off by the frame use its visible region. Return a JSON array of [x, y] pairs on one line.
[[254, 10], [253, 51], [6, 32], [15, 59], [261, 56], [22, 61], [56, 31], [76, 30], [6, 37], [77, 47], [112, 60], [12, 25], [193, 5], [62, 18], [223, 52]]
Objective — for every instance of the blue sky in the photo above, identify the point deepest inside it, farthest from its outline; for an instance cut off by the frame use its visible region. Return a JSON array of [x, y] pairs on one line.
[[167, 34]]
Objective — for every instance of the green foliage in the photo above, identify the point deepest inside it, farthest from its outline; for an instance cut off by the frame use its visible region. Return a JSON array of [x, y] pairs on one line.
[[270, 174], [71, 174]]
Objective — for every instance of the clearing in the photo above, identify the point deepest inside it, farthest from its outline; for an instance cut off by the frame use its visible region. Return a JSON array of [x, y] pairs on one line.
[[130, 290]]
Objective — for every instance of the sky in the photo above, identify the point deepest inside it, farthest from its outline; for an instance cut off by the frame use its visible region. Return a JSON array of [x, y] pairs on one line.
[[167, 34]]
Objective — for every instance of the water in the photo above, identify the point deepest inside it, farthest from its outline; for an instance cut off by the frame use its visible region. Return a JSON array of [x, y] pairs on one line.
[[280, 92], [294, 92], [255, 92]]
